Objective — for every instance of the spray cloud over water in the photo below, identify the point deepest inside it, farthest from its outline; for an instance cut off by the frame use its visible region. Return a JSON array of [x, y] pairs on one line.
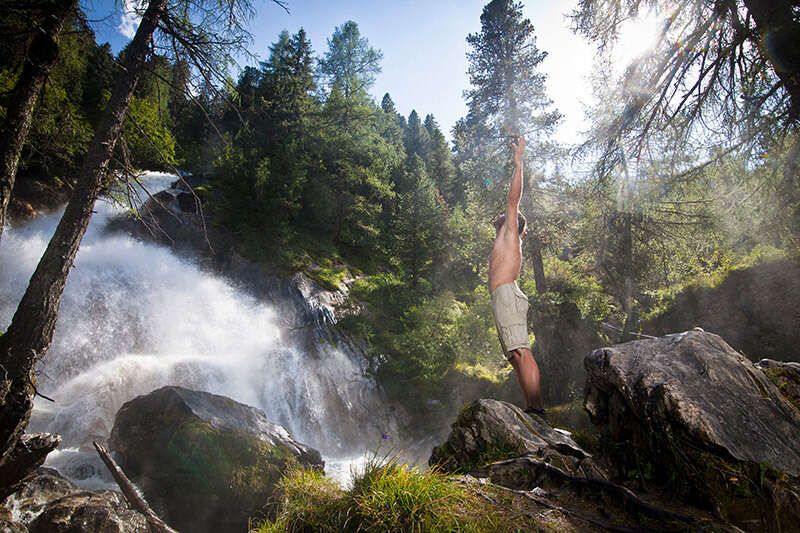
[[135, 317]]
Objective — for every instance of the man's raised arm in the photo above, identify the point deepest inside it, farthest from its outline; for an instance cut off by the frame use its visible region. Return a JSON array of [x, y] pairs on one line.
[[515, 190]]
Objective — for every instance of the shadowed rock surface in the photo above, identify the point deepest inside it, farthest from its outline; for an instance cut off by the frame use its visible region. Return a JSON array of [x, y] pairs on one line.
[[785, 376], [204, 462], [711, 425], [48, 502], [502, 447], [44, 487], [488, 430], [29, 453], [104, 511], [754, 309]]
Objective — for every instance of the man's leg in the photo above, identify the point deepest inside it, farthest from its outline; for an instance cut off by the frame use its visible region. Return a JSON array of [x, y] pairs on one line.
[[528, 376]]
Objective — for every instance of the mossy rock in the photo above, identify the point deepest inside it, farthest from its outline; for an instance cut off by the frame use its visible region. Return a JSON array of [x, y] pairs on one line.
[[204, 462]]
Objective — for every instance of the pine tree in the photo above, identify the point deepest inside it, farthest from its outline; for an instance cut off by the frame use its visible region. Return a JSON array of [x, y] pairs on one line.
[[420, 221], [41, 56], [416, 137], [507, 98], [350, 65], [439, 160], [508, 91]]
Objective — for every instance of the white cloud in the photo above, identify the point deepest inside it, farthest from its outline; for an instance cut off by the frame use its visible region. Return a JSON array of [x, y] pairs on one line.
[[130, 18]]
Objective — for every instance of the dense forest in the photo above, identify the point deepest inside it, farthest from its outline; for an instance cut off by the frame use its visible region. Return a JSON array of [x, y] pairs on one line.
[[690, 178], [689, 172]]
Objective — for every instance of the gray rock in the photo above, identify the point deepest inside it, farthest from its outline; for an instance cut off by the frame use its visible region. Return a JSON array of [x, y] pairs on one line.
[[707, 421], [99, 512], [204, 462], [44, 487], [490, 430], [29, 453]]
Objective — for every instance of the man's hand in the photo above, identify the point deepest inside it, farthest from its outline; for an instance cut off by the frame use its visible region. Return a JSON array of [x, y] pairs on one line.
[[518, 148]]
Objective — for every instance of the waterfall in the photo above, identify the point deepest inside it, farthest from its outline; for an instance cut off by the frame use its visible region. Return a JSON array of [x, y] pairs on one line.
[[135, 317]]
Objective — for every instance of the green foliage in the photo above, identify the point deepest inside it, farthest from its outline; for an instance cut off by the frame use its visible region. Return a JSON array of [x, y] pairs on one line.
[[148, 138], [387, 496], [350, 65]]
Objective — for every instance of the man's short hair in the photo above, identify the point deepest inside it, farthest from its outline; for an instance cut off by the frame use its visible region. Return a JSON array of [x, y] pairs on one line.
[[522, 222]]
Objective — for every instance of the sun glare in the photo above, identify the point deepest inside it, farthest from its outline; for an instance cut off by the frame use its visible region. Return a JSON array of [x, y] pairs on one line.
[[637, 37]]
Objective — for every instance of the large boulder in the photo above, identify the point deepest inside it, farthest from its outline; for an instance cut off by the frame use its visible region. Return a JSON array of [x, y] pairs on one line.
[[204, 462], [521, 455], [689, 411], [490, 430]]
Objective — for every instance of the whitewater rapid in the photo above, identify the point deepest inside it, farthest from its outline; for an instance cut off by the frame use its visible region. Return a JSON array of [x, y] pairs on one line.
[[135, 317]]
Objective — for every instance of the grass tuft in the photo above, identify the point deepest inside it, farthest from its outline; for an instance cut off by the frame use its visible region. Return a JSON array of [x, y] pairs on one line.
[[386, 496]]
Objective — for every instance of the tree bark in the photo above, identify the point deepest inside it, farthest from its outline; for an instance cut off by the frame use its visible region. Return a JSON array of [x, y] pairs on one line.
[[31, 330], [628, 282], [779, 40], [40, 57], [538, 265]]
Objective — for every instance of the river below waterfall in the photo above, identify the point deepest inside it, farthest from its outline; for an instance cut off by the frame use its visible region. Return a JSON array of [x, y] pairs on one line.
[[135, 317]]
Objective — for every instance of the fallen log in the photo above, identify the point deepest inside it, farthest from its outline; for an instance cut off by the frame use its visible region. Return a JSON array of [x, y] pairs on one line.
[[131, 494]]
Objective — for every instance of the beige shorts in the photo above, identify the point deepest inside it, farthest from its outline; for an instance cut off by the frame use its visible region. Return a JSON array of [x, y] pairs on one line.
[[510, 307]]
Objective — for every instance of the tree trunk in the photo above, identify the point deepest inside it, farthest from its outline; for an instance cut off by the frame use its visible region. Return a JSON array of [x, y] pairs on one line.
[[40, 58], [31, 330], [628, 283], [538, 265], [779, 40]]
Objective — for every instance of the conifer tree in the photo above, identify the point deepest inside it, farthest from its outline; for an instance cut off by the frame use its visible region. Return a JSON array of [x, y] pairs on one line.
[[40, 57], [507, 98], [439, 160], [350, 65], [420, 221], [508, 91], [416, 137]]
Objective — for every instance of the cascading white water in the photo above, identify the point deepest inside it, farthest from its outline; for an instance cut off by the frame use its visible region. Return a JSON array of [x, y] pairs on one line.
[[135, 317]]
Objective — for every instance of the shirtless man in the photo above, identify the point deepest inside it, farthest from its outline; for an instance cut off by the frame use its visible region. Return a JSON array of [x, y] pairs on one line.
[[509, 303]]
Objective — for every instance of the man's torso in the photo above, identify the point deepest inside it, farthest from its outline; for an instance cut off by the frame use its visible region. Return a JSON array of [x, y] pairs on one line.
[[505, 259]]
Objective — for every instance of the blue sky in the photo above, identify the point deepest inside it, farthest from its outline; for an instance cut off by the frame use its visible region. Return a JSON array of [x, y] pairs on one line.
[[423, 44]]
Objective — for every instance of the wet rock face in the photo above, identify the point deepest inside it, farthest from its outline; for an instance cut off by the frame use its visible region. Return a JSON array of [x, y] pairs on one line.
[[49, 503], [706, 420], [28, 454], [489, 430], [102, 512], [44, 487], [203, 461], [753, 309]]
